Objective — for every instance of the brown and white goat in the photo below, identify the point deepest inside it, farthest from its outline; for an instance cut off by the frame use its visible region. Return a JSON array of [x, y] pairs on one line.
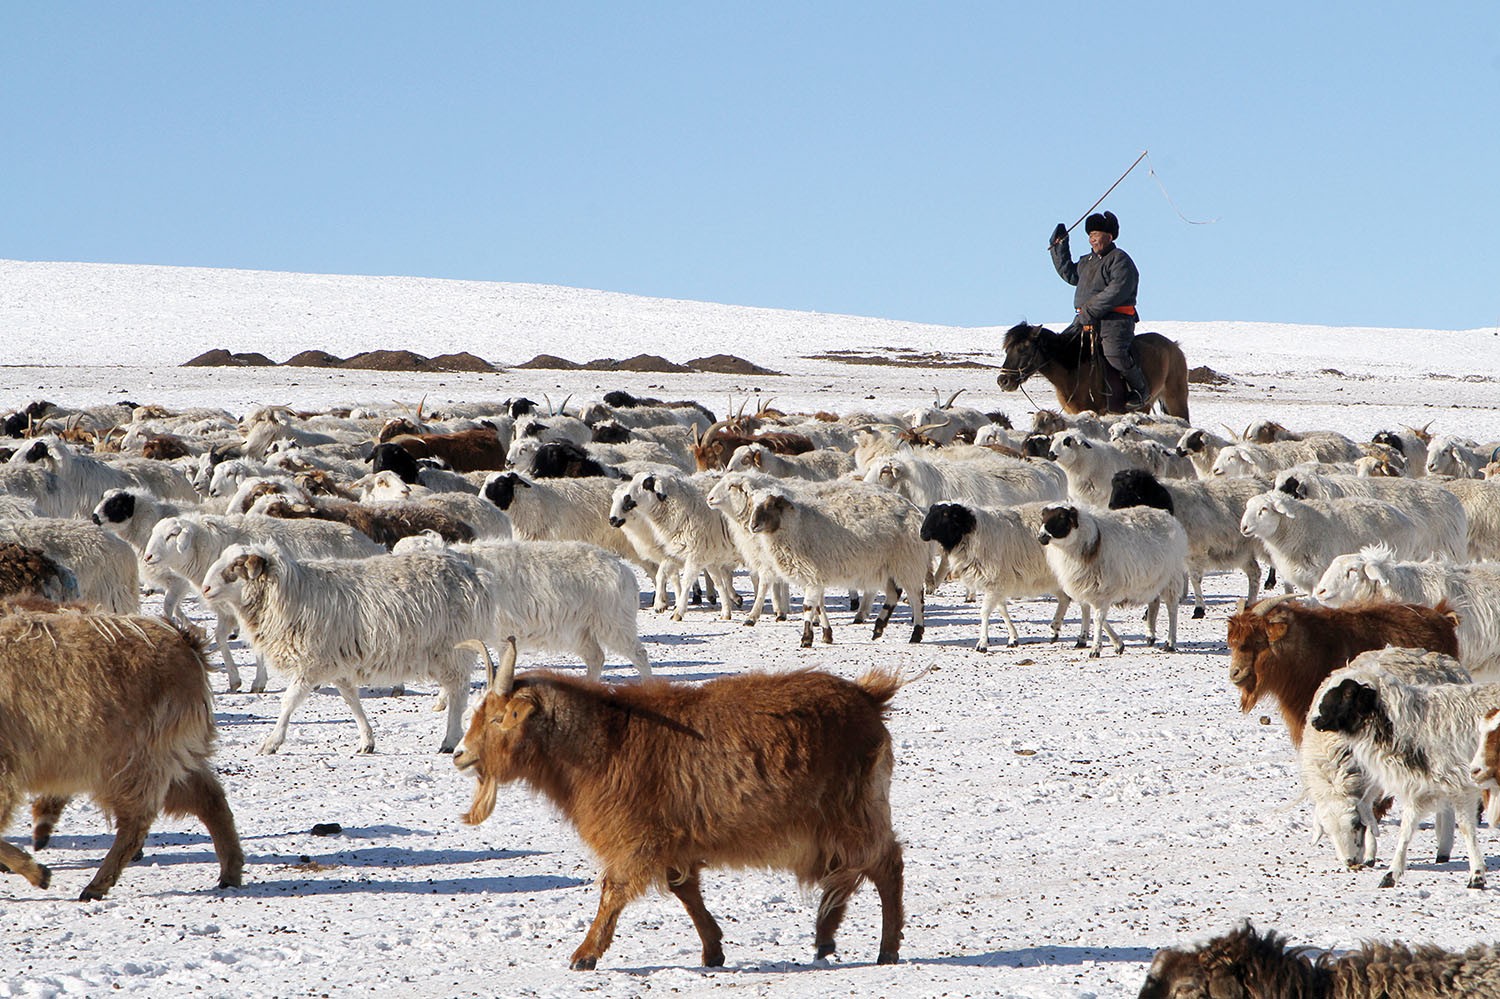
[[1286, 649], [476, 450], [788, 770], [718, 444], [386, 523], [115, 706]]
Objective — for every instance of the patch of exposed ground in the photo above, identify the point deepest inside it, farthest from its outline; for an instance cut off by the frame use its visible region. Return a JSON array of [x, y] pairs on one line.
[[904, 357]]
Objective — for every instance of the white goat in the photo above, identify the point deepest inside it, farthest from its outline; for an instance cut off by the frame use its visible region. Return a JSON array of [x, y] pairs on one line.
[[1480, 499], [731, 496], [1090, 465], [1441, 523], [1268, 459], [133, 514], [1471, 589], [386, 619], [561, 596], [1417, 740], [997, 481], [1304, 536], [1103, 558], [693, 534], [820, 465]]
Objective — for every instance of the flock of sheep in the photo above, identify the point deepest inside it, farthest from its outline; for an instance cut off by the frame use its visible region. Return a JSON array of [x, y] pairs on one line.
[[367, 548]]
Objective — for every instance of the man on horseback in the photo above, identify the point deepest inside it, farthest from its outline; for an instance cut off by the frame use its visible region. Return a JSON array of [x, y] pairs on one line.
[[1106, 280]]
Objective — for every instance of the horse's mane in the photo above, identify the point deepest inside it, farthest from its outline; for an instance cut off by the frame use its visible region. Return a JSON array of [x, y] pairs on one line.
[[1063, 348]]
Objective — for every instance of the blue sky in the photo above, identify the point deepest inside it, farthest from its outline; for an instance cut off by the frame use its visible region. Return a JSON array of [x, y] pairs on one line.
[[897, 160]]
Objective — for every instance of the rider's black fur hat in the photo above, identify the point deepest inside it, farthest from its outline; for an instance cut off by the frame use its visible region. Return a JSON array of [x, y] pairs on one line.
[[1103, 223]]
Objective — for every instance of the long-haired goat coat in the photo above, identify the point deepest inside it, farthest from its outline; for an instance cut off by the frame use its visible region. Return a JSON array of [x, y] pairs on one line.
[[117, 707], [386, 619], [1105, 558], [789, 771]]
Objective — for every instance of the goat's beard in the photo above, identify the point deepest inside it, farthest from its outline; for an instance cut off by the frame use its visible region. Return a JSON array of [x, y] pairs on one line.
[[484, 801]]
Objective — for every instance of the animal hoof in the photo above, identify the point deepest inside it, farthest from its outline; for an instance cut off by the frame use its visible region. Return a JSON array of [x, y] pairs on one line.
[[981, 648], [1477, 881], [444, 749], [584, 963], [365, 750], [713, 959], [1442, 858], [1169, 647], [1388, 881], [1093, 655], [1198, 612], [1150, 643], [233, 688], [823, 951], [1080, 644], [916, 635], [44, 876], [748, 624], [40, 837], [887, 957], [91, 894]]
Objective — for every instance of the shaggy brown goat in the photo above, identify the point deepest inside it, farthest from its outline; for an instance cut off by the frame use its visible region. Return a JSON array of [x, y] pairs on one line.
[[476, 450], [787, 770], [1287, 649], [118, 707], [386, 523], [165, 447], [25, 571], [1246, 964], [718, 445]]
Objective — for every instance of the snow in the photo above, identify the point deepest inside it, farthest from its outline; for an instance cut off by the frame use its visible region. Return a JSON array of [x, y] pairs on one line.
[[1062, 817]]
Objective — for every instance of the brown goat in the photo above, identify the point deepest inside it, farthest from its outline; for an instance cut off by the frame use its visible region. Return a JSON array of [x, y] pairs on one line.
[[118, 707], [1246, 964], [718, 445], [165, 447], [1286, 649], [477, 450], [386, 523], [789, 771], [26, 571]]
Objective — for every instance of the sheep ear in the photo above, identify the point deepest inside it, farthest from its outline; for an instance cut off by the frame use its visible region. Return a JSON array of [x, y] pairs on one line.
[[255, 566], [516, 713], [649, 484], [1085, 442]]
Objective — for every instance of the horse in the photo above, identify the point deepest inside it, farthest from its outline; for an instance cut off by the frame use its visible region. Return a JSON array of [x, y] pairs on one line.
[[1074, 370]]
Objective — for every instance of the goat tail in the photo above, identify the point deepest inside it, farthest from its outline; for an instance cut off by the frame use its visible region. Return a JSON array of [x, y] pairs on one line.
[[881, 684]]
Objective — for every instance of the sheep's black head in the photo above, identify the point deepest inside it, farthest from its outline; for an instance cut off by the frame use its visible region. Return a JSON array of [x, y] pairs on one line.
[[1057, 523], [1293, 486], [394, 458], [1037, 446], [1348, 707], [1138, 487], [948, 524], [501, 489], [118, 508], [520, 407], [610, 432]]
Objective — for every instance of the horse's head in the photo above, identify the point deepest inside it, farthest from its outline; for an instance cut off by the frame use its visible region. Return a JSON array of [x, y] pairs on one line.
[[1023, 355]]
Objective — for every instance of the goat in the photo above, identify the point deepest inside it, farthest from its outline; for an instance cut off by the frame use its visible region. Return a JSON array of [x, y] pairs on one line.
[[1472, 590], [1267, 459], [133, 514], [1410, 443], [117, 707], [718, 445], [390, 618], [477, 450], [654, 778], [691, 533], [994, 481], [1480, 499], [1457, 457], [819, 465], [566, 596], [1089, 465], [1304, 536], [385, 524], [860, 537], [731, 496], [1209, 511], [1441, 522], [1245, 964], [103, 565], [1202, 447], [1102, 558], [31, 572], [995, 552], [1418, 741]]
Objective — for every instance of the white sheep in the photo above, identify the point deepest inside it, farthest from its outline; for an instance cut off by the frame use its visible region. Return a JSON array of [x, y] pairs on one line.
[[188, 545], [1304, 536], [561, 596], [731, 496], [1480, 499], [104, 565], [1417, 740], [1456, 456], [857, 536], [558, 510], [133, 514], [84, 478], [996, 481], [1472, 590], [693, 534], [1103, 558], [1090, 465], [995, 552], [385, 619], [820, 465]]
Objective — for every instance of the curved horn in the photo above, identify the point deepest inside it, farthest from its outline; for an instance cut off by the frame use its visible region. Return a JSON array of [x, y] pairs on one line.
[[951, 398], [1264, 606], [924, 428], [499, 680]]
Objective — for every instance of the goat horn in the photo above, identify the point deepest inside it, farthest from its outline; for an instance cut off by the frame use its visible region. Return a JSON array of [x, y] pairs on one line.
[[561, 410], [931, 426], [951, 399], [1263, 607]]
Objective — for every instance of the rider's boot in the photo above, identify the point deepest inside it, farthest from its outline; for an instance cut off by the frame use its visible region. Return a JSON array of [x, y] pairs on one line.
[[1137, 393]]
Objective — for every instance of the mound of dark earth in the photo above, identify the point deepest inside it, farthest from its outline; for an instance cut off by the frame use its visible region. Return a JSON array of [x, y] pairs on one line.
[[313, 359], [221, 358], [728, 364], [719, 364], [551, 362], [1204, 375]]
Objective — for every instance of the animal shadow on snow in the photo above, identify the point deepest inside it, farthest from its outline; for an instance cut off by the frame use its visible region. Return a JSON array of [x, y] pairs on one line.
[[1033, 957]]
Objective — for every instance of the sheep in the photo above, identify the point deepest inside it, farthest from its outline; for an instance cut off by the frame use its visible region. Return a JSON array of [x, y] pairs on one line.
[[1089, 465], [1245, 964], [262, 433], [731, 497], [386, 523], [819, 465], [1102, 558], [861, 537], [188, 545], [1442, 524], [995, 551], [816, 800], [1202, 447], [1209, 511], [693, 534], [32, 572], [562, 596], [227, 476], [103, 565], [389, 618], [132, 514], [1472, 590], [1418, 742], [995, 482], [1267, 459], [1342, 791], [559, 510], [1304, 536], [1480, 499], [117, 707]]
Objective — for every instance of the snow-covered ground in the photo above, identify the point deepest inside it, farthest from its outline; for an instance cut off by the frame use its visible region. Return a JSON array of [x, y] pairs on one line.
[[1062, 817]]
